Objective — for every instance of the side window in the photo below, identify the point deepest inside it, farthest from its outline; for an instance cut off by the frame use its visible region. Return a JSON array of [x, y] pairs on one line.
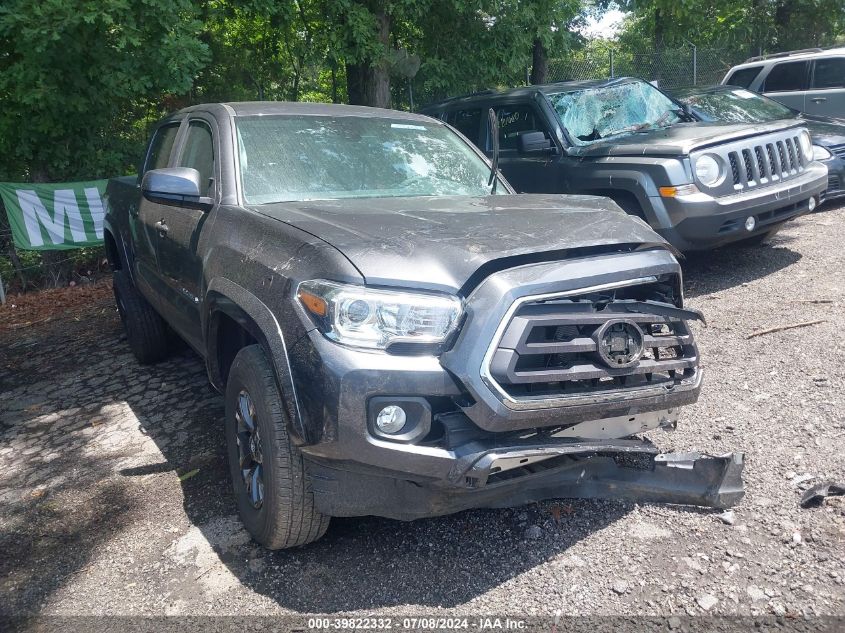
[[743, 77], [787, 77], [199, 153], [512, 121], [829, 73], [468, 123], [161, 146]]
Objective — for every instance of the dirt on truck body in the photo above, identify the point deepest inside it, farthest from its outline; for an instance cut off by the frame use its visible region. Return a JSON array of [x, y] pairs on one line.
[[395, 332]]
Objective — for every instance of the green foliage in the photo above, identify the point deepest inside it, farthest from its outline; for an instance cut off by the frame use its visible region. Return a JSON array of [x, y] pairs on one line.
[[744, 27], [79, 79]]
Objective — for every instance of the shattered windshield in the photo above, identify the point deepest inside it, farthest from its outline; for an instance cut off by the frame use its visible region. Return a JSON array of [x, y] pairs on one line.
[[595, 114], [737, 106], [295, 158]]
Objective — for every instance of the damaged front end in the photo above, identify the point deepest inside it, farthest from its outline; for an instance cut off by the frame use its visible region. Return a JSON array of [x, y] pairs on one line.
[[558, 368]]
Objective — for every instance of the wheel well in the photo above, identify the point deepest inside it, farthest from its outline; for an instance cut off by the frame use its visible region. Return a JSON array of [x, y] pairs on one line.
[[112, 254], [232, 337], [625, 199]]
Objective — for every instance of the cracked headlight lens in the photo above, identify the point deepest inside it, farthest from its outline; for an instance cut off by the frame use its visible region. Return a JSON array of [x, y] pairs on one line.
[[707, 170], [374, 319]]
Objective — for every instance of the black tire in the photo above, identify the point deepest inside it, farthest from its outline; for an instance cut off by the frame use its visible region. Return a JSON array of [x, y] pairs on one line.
[[146, 331], [284, 515]]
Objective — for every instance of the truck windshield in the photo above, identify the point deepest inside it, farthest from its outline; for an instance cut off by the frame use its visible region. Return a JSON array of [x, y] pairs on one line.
[[594, 114], [737, 106], [295, 158]]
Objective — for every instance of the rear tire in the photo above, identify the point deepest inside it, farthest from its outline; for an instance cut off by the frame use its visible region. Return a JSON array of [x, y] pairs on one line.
[[272, 488], [146, 331]]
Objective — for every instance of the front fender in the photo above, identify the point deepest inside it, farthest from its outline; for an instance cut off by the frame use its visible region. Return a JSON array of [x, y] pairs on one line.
[[239, 304]]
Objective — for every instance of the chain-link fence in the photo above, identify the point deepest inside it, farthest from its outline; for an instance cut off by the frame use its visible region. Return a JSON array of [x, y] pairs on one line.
[[670, 68]]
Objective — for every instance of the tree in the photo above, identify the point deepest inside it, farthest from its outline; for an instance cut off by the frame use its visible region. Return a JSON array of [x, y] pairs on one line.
[[80, 78]]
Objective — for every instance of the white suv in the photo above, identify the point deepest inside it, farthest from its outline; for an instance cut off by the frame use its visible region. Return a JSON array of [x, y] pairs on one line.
[[811, 81]]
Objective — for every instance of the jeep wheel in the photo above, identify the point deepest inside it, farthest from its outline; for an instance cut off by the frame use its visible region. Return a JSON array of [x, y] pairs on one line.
[[272, 488], [146, 331]]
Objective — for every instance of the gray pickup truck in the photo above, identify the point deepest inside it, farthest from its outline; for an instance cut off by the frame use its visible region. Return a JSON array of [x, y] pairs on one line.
[[394, 332], [699, 185]]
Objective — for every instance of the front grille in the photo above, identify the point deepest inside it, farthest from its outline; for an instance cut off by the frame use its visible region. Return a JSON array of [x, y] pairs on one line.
[[766, 162], [837, 150], [551, 350]]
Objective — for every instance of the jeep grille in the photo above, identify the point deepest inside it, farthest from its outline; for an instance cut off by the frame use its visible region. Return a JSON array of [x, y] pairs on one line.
[[766, 162]]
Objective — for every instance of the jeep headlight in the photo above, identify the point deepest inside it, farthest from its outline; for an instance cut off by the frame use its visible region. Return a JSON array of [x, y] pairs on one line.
[[821, 153], [374, 319], [707, 170], [806, 145]]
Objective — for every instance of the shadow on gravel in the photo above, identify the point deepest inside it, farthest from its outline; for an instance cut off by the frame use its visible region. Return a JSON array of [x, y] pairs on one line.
[[713, 271], [89, 433], [368, 563]]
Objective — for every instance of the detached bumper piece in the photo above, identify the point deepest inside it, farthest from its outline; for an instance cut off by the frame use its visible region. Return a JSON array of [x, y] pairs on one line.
[[681, 478], [513, 476]]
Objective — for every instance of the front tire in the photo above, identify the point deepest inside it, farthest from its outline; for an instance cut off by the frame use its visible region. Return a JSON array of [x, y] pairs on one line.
[[273, 492], [146, 331]]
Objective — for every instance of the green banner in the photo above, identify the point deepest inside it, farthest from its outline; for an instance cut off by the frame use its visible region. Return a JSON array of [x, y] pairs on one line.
[[55, 216]]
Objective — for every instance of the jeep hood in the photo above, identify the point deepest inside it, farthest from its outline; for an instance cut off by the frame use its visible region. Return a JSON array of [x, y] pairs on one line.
[[438, 243], [679, 139]]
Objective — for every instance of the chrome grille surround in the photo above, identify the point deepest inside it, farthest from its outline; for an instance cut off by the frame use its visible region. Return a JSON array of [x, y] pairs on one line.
[[756, 162]]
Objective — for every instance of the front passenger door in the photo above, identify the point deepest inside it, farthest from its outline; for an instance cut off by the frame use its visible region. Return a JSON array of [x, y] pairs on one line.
[[178, 249], [787, 83]]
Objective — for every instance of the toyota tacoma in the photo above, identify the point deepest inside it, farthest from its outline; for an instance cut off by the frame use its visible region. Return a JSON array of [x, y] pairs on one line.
[[394, 331]]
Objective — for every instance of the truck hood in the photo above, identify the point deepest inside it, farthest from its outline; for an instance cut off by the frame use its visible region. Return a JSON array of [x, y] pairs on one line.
[[439, 243], [679, 140]]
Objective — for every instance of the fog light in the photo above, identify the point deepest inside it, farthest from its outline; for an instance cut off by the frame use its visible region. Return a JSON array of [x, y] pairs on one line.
[[812, 203], [391, 419], [750, 223]]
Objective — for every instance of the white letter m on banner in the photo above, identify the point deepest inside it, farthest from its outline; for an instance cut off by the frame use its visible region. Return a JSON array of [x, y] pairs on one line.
[[35, 215]]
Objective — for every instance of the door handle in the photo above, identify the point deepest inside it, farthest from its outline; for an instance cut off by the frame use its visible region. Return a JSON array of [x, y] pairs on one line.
[[818, 99], [161, 227]]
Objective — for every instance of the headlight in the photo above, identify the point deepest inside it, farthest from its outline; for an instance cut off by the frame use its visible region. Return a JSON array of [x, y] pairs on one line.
[[821, 153], [364, 317], [806, 145], [707, 170]]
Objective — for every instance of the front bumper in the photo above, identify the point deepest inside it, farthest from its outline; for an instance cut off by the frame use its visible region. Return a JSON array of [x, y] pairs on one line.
[[582, 471], [701, 221], [835, 178]]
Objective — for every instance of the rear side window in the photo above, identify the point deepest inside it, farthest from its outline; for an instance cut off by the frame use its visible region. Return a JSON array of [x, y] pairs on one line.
[[512, 121], [199, 153], [468, 123], [161, 146], [787, 77], [743, 77], [829, 73]]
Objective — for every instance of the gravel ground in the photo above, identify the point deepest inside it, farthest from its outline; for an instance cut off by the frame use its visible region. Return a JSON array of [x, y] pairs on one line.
[[114, 496]]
